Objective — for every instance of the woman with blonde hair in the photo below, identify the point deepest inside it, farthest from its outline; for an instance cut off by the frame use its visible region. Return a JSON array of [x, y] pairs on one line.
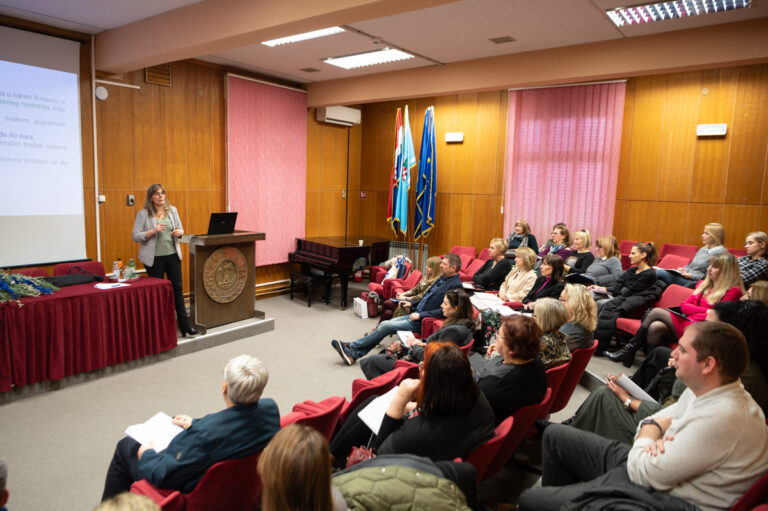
[[713, 239], [579, 331], [391, 309], [606, 268], [754, 265], [581, 257], [551, 314], [757, 291], [661, 326], [492, 273], [295, 470], [516, 286], [521, 237]]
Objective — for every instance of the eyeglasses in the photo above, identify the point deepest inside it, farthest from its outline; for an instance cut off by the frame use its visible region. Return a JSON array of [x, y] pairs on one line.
[[159, 192]]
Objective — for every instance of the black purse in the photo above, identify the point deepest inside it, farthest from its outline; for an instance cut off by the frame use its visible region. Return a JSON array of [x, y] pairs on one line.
[[80, 276]]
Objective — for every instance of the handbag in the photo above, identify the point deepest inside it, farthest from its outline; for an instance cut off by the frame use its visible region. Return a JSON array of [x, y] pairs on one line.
[[358, 454], [81, 276]]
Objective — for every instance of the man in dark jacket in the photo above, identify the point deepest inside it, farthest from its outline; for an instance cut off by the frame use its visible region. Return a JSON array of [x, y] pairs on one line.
[[243, 428], [427, 307]]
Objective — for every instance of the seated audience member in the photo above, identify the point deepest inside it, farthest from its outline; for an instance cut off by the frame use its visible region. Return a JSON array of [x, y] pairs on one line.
[[550, 284], [634, 288], [244, 427], [660, 326], [611, 412], [516, 286], [713, 238], [559, 242], [607, 266], [427, 307], [295, 471], [757, 291], [707, 449], [492, 273], [3, 484], [453, 415], [521, 237], [551, 315], [390, 308], [579, 331], [457, 328], [581, 257], [127, 501], [754, 265], [516, 377]]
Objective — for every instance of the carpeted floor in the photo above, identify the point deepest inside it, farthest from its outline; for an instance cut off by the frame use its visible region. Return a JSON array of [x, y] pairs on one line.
[[58, 444]]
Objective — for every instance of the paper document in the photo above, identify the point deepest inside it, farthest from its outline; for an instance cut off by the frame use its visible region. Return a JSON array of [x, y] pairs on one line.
[[404, 335], [482, 301], [103, 285], [633, 389], [503, 310], [467, 285], [373, 414], [159, 430]]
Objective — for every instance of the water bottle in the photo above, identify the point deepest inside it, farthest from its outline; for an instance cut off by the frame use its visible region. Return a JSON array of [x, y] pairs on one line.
[[115, 270], [131, 269]]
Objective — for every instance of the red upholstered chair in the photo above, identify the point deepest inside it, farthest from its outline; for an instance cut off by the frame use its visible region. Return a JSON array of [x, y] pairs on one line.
[[466, 274], [737, 252], [482, 457], [231, 484], [682, 250], [555, 378], [579, 360], [33, 272], [672, 262], [411, 369], [466, 260], [322, 416], [756, 495], [672, 296], [484, 255], [94, 267], [362, 389], [394, 286], [378, 284], [523, 422], [514, 305], [458, 250]]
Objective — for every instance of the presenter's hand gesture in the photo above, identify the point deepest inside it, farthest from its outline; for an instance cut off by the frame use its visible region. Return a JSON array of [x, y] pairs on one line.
[[160, 228], [176, 232], [185, 421]]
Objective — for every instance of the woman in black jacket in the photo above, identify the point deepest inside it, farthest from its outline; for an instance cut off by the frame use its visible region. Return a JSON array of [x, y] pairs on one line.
[[495, 270], [550, 284]]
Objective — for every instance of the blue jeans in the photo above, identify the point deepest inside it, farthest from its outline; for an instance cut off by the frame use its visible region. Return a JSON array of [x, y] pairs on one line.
[[362, 346], [672, 278]]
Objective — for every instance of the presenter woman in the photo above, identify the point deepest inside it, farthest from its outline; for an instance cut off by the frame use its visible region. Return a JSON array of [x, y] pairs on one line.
[[158, 229]]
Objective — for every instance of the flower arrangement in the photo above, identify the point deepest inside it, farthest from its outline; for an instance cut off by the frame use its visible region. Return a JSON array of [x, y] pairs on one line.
[[14, 286]]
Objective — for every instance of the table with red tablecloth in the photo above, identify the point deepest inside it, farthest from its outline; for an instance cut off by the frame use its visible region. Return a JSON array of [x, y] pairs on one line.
[[81, 328]]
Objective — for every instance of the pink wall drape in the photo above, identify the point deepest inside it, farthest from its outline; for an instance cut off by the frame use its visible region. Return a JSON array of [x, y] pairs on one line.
[[267, 164], [562, 161]]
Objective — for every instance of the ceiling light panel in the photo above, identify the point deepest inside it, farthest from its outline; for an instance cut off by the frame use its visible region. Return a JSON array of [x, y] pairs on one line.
[[370, 58], [303, 37], [672, 10]]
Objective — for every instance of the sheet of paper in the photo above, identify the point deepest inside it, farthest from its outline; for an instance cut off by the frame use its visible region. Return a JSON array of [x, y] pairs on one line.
[[404, 335], [482, 301], [633, 389], [468, 285], [104, 285], [159, 430], [373, 414], [503, 310]]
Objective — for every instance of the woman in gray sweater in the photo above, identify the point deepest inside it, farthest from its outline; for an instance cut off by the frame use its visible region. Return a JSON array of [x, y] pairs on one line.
[[713, 238], [607, 266]]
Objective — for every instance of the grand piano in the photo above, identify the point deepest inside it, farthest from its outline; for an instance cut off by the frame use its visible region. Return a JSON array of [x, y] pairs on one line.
[[336, 254]]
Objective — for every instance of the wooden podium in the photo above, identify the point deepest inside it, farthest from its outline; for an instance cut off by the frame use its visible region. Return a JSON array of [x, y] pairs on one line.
[[222, 276]]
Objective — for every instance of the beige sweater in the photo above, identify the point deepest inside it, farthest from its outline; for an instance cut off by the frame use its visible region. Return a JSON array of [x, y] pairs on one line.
[[517, 284]]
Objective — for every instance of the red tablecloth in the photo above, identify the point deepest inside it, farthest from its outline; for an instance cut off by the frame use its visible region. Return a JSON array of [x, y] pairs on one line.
[[80, 328]]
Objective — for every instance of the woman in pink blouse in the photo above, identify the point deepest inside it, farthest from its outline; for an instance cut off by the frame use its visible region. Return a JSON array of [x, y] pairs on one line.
[[661, 326]]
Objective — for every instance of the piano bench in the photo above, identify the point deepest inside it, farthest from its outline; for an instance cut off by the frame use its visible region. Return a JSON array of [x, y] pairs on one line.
[[308, 279]]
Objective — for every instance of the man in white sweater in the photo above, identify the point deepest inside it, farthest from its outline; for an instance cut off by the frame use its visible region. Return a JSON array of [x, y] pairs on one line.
[[707, 449]]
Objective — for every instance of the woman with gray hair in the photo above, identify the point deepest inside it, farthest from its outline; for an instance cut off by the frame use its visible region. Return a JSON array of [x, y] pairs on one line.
[[243, 428]]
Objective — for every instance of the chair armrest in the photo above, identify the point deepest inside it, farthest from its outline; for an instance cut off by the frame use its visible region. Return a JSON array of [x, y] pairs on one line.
[[168, 500]]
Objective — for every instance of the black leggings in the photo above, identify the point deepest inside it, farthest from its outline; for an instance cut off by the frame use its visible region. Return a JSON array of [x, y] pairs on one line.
[[660, 328], [170, 265]]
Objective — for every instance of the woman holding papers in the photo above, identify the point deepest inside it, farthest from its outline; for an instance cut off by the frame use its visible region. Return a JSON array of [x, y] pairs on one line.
[[158, 228], [515, 287], [492, 273], [661, 326], [453, 416]]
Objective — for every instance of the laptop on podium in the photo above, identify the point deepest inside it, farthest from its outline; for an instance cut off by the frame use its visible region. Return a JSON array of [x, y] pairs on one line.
[[222, 223]]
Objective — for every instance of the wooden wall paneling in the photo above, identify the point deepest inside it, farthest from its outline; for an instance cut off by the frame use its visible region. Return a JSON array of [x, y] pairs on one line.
[[749, 140], [355, 153], [86, 122], [271, 272], [373, 212], [314, 151], [199, 152], [328, 209], [485, 175], [640, 221], [763, 220], [710, 161], [626, 140], [501, 146], [486, 220], [327, 157], [739, 220], [453, 223], [218, 202], [618, 221], [218, 132], [678, 136], [369, 146], [446, 120], [700, 215], [465, 162], [173, 120], [147, 147], [198, 210], [89, 203], [670, 222], [354, 227], [338, 172], [642, 183], [116, 139], [379, 173], [117, 224]]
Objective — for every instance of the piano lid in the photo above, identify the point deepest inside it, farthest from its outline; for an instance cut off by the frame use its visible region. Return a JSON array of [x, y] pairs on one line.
[[350, 241]]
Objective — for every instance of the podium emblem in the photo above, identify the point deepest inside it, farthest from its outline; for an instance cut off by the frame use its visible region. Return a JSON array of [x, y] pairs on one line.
[[224, 274]]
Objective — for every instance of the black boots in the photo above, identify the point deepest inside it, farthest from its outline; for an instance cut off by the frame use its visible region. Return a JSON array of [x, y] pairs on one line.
[[626, 355], [186, 328]]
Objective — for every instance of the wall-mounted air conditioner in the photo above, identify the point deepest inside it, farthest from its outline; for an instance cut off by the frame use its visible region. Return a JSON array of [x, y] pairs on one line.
[[342, 115]]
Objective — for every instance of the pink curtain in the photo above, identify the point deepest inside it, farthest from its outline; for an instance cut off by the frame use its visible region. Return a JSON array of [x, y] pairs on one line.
[[562, 158], [267, 164]]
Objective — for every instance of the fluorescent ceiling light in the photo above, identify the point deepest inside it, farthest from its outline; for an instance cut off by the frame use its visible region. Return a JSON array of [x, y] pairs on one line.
[[672, 10], [303, 37], [370, 58]]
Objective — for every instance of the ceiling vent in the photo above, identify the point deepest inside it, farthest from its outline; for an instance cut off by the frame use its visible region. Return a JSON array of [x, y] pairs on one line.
[[342, 115], [158, 75], [501, 40], [309, 70]]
